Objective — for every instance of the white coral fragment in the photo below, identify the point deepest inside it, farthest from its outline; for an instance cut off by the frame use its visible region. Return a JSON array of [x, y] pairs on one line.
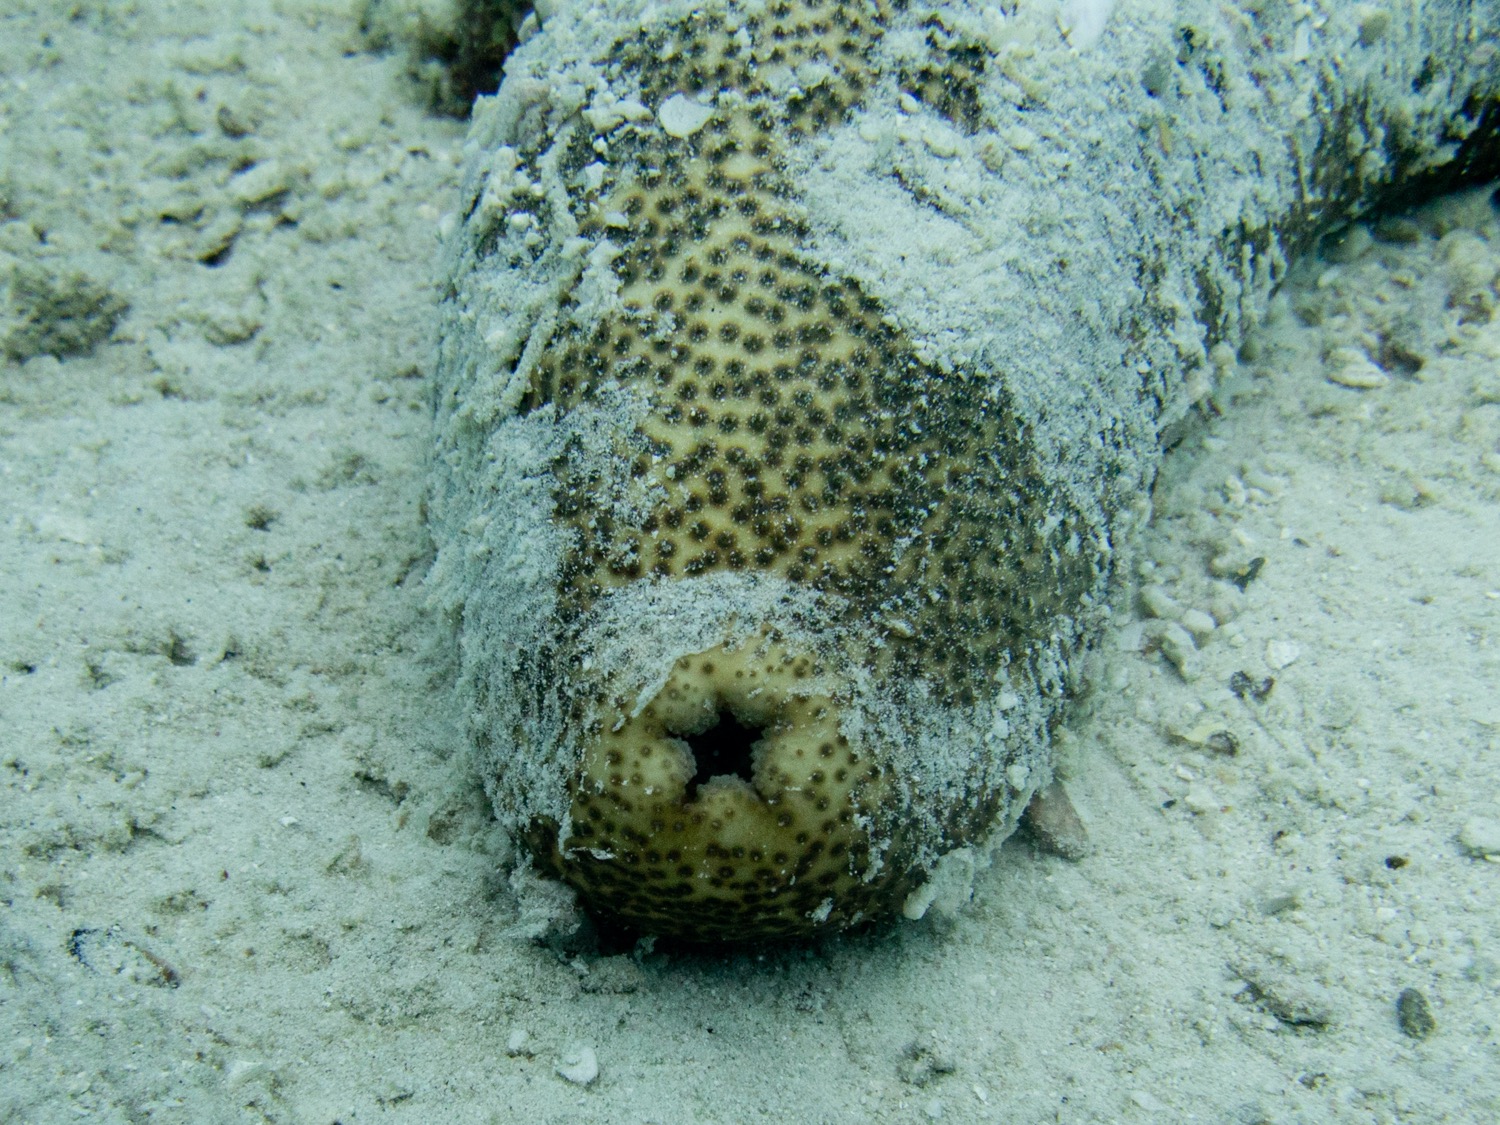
[[681, 117], [579, 1064], [1082, 21]]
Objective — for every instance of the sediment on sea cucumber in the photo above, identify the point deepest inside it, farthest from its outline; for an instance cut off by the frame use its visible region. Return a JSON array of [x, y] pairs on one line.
[[803, 368]]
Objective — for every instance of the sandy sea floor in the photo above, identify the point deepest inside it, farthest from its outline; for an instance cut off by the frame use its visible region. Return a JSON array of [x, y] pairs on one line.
[[246, 872]]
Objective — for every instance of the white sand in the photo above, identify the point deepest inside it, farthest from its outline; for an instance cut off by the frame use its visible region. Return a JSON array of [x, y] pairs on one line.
[[246, 872]]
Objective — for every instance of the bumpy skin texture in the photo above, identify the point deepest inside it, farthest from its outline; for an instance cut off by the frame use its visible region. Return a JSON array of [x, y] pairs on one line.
[[789, 429], [764, 612]]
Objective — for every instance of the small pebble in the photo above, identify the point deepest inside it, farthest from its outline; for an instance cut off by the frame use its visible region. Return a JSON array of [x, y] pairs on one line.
[[682, 117], [1200, 799], [1178, 646], [1414, 1014], [941, 141], [579, 1064], [1210, 734], [1159, 603], [1198, 623], [1055, 824], [1361, 375], [1281, 653], [1020, 138], [259, 182], [1480, 837]]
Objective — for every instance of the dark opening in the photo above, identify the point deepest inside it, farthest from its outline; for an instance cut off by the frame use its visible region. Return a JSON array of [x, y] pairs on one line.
[[723, 748], [487, 33], [1476, 161], [456, 59]]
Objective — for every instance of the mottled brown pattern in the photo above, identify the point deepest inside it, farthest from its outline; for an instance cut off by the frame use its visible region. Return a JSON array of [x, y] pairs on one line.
[[792, 430]]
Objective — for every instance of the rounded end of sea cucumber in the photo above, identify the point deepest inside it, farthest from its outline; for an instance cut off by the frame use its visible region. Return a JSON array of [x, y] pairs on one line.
[[728, 806]]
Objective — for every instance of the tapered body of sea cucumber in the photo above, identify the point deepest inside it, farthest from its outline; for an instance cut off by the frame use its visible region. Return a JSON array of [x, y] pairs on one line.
[[803, 367]]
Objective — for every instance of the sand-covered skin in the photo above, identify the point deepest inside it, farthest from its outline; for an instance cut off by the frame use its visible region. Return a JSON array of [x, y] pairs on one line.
[[246, 875], [802, 368]]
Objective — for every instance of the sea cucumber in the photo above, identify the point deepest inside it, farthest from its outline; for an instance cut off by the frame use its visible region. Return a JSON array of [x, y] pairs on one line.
[[803, 368]]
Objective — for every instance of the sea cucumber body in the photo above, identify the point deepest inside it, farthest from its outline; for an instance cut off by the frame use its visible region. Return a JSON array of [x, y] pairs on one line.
[[774, 525]]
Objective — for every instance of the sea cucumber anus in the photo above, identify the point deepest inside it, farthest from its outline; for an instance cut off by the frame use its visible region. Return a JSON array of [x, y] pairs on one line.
[[773, 525]]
